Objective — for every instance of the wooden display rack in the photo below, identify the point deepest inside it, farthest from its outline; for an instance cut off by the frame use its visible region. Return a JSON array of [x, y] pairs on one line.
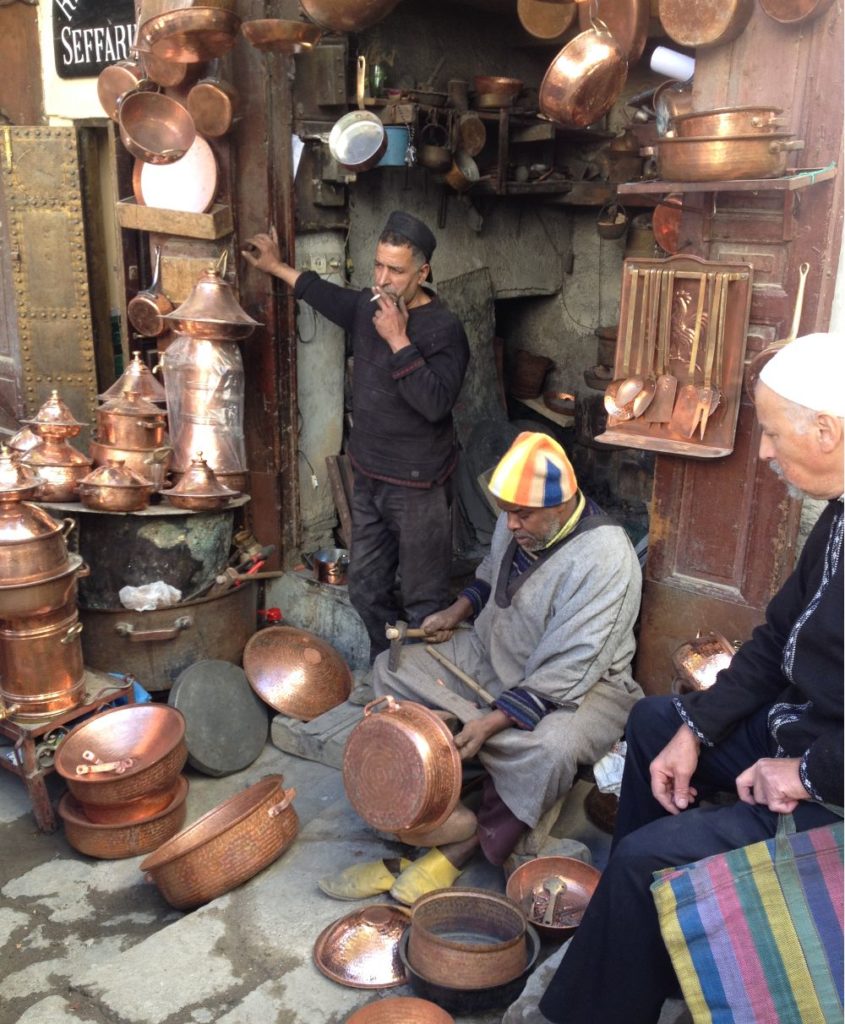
[[30, 757]]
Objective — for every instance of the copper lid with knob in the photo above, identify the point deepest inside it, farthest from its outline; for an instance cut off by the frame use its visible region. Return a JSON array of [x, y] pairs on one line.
[[137, 378], [17, 482], [54, 419], [199, 489]]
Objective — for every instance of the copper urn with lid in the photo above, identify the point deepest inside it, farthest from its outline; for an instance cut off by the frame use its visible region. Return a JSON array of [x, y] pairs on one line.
[[139, 380], [199, 489], [54, 420], [115, 488]]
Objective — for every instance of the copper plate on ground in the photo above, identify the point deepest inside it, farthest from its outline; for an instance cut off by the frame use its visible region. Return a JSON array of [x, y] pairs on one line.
[[361, 949], [296, 672], [401, 1010]]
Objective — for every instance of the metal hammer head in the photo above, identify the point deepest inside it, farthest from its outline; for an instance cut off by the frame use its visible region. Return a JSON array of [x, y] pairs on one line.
[[396, 635]]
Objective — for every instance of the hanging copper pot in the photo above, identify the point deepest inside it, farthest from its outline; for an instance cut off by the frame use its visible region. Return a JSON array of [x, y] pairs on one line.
[[137, 378], [115, 488], [115, 81], [41, 667], [131, 422], [627, 21], [347, 15], [212, 104], [199, 490], [60, 467], [211, 311], [55, 420], [155, 127], [188, 31]]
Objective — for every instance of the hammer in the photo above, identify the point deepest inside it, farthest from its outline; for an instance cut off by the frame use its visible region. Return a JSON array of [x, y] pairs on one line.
[[397, 635]]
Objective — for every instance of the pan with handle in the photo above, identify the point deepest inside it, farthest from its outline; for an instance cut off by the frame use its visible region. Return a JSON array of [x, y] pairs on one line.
[[147, 309], [613, 400], [358, 140]]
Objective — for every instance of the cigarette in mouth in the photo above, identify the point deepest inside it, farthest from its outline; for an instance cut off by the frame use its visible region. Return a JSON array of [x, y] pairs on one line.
[[384, 295]]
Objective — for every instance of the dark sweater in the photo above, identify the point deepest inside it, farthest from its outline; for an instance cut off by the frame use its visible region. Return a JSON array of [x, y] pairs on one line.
[[810, 726], [402, 403]]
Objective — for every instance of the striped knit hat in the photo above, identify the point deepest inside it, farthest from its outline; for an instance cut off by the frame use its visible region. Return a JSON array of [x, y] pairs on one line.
[[534, 473]]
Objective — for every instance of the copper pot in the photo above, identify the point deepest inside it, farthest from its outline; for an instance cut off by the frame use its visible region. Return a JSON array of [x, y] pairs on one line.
[[115, 488], [199, 489], [116, 840], [42, 599], [17, 481], [585, 78], [226, 846], [726, 121], [155, 127], [137, 810], [347, 15], [41, 667], [33, 546], [188, 31], [358, 140], [212, 312], [60, 467], [467, 938], [212, 104], [116, 81], [723, 158], [137, 378], [526, 887], [463, 173], [146, 309], [486, 84], [401, 769], [131, 422], [151, 735], [151, 463]]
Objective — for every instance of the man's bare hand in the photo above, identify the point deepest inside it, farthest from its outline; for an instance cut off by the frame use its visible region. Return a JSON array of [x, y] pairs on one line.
[[773, 781], [391, 320], [475, 734], [672, 770], [263, 252], [439, 626]]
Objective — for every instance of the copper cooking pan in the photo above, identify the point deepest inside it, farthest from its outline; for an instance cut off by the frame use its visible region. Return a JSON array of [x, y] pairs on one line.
[[792, 12], [358, 140], [347, 15], [627, 21], [544, 20], [585, 78], [705, 22], [212, 104], [273, 35], [117, 80], [186, 31], [155, 127], [146, 309]]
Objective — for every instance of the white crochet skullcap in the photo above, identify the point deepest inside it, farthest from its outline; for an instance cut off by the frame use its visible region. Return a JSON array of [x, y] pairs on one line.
[[810, 371]]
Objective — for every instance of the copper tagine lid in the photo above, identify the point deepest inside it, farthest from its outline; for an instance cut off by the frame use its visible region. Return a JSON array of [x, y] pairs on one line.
[[137, 378], [23, 441], [213, 311], [115, 473], [132, 403], [21, 521], [200, 481], [17, 482], [361, 949], [55, 452], [54, 419]]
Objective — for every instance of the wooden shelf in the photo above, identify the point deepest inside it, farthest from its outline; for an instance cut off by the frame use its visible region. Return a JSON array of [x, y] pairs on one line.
[[214, 224], [789, 183]]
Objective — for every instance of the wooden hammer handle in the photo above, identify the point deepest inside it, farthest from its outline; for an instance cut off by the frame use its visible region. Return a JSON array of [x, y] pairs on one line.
[[453, 668]]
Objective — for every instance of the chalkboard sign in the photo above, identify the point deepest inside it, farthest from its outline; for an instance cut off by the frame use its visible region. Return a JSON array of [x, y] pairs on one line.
[[88, 35]]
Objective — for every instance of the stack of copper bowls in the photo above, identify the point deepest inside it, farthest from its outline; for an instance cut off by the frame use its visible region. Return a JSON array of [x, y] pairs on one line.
[[123, 770], [204, 380], [132, 427], [59, 465], [41, 670]]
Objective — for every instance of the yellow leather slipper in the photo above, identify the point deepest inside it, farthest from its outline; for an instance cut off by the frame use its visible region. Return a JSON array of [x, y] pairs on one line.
[[432, 871], [360, 881]]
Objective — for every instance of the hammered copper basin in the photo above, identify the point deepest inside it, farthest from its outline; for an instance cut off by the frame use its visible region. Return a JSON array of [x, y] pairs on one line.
[[401, 1010], [527, 888], [152, 735], [226, 846], [361, 949], [296, 672]]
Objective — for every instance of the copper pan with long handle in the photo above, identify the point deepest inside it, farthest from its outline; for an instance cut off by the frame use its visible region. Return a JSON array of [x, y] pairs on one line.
[[358, 140], [627, 21]]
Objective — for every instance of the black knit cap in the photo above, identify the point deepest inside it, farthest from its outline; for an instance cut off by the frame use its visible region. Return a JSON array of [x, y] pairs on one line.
[[414, 230]]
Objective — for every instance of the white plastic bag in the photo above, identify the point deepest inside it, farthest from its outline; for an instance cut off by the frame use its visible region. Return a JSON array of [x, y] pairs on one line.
[[149, 597]]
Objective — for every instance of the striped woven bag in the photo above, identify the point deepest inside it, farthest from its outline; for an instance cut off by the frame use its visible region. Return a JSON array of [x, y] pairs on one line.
[[755, 934]]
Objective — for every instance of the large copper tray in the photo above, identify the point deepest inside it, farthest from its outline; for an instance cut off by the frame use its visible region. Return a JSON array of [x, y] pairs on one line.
[[361, 949]]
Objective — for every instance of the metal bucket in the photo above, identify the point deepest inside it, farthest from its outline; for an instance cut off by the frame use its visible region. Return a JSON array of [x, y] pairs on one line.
[[41, 668], [158, 646]]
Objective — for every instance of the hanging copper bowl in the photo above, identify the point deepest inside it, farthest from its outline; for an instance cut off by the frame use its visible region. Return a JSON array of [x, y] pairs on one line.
[[226, 846], [347, 15], [361, 949], [527, 888], [118, 840], [188, 31], [151, 735], [401, 769], [296, 672], [155, 127]]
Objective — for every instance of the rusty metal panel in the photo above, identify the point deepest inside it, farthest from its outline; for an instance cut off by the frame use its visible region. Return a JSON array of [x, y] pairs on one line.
[[41, 185]]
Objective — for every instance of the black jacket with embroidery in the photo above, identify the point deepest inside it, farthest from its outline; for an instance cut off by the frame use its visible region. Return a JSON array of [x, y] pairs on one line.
[[402, 403], [812, 728]]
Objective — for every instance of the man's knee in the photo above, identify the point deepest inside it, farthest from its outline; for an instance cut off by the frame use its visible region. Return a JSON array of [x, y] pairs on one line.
[[652, 717]]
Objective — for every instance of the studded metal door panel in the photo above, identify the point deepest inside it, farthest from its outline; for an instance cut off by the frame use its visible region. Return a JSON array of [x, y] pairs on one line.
[[45, 235]]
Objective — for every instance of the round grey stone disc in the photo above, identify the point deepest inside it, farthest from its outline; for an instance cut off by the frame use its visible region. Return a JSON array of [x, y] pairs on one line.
[[226, 724]]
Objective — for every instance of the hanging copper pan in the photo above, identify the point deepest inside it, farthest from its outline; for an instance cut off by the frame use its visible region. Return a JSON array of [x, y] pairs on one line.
[[188, 31], [146, 309], [358, 140], [212, 104], [118, 79], [544, 20], [155, 127], [627, 21], [705, 22], [585, 78], [273, 35], [666, 222], [793, 12], [347, 15]]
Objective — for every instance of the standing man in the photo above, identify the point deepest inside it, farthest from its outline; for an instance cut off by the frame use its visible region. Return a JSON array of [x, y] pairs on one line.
[[410, 356], [769, 729]]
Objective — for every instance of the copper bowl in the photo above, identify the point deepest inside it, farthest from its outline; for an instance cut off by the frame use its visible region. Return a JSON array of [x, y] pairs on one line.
[[116, 841], [115, 488], [132, 811], [467, 938], [526, 888], [361, 949], [296, 672], [154, 127], [226, 846], [153, 735], [401, 1010], [487, 84], [401, 768]]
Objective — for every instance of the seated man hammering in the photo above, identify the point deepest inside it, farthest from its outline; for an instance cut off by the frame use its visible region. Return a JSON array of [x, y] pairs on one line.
[[554, 603]]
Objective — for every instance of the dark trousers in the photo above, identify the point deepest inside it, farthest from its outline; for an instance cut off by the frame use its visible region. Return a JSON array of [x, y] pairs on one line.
[[616, 968], [404, 530]]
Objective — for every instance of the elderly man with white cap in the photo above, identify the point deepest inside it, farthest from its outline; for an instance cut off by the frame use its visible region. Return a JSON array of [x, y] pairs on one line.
[[769, 729], [554, 602]]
